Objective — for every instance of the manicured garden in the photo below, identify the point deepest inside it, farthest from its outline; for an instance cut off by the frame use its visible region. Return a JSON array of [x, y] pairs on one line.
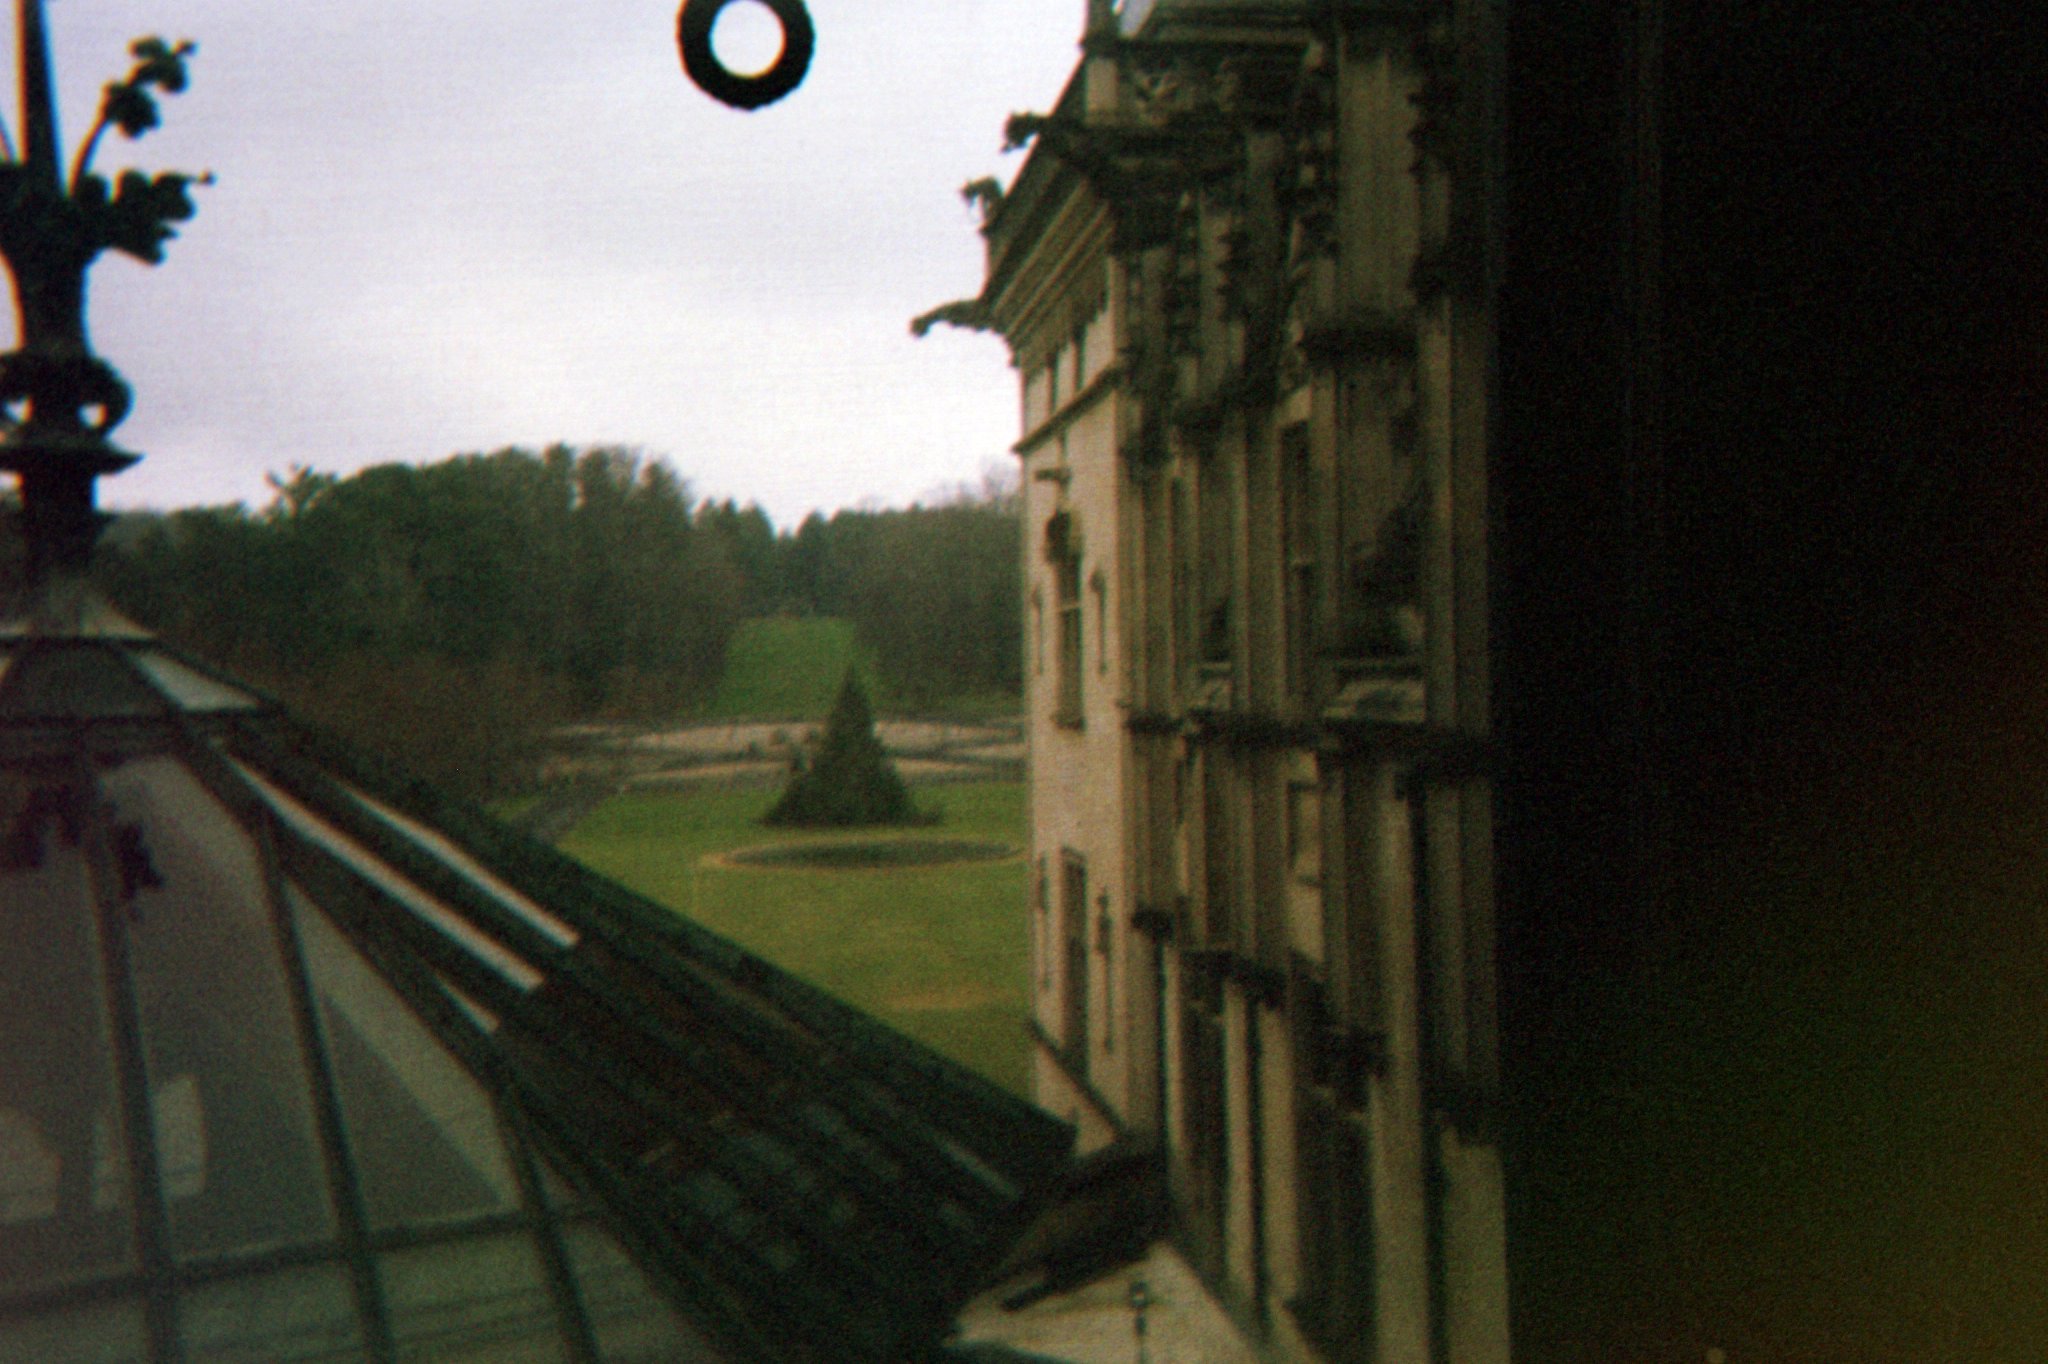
[[939, 951]]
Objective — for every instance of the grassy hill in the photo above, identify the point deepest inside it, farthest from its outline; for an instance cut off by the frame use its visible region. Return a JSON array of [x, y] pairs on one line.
[[788, 668]]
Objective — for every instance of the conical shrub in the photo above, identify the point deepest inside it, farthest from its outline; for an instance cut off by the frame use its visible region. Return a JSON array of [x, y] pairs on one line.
[[849, 780]]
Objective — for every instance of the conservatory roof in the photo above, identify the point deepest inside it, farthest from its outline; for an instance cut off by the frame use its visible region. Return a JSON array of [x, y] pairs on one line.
[[289, 1045]]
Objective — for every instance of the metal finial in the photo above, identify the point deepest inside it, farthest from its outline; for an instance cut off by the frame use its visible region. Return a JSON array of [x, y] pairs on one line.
[[38, 95], [60, 400]]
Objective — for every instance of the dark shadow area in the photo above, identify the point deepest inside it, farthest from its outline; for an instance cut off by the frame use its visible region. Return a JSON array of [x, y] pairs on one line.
[[1772, 561]]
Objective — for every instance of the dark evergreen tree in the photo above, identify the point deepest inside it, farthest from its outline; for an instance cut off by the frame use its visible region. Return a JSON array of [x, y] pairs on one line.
[[849, 780], [747, 539]]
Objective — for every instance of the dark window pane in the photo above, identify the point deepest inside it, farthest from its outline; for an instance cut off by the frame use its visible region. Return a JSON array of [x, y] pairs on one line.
[[1074, 910], [473, 1302], [64, 1196], [110, 1333], [423, 1133], [1067, 586], [241, 1165], [298, 1316], [633, 1323]]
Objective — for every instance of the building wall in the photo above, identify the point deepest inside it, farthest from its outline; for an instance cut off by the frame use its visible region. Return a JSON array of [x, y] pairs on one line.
[[1073, 574], [1255, 549]]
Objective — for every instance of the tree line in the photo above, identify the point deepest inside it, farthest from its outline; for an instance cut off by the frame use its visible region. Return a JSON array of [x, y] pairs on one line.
[[450, 614], [934, 591]]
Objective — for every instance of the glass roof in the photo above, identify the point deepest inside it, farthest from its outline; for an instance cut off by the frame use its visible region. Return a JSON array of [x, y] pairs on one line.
[[302, 1062]]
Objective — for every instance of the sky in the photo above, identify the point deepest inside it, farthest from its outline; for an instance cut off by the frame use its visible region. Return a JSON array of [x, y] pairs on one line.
[[456, 226]]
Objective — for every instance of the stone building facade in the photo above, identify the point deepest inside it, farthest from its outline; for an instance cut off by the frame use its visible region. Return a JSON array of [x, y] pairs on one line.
[[1246, 275]]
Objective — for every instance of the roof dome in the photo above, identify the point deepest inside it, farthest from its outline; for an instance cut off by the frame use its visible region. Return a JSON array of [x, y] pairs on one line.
[[301, 1061]]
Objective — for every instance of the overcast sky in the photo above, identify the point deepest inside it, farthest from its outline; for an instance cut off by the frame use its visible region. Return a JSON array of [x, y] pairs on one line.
[[442, 226]]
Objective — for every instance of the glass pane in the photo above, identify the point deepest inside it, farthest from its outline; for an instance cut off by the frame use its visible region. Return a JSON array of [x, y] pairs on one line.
[[555, 1187], [473, 1302], [64, 1200], [309, 823], [189, 688], [111, 1333], [423, 1133], [478, 1014], [234, 1117], [299, 1316], [97, 619], [633, 1323], [521, 905]]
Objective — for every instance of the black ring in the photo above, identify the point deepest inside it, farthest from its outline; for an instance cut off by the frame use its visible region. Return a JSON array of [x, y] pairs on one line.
[[693, 36]]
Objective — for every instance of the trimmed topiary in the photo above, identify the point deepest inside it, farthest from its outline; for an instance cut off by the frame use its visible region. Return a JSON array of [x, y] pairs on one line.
[[849, 779]]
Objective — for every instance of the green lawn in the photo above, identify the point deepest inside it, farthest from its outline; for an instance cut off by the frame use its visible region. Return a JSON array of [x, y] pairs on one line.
[[514, 808], [938, 952], [786, 668]]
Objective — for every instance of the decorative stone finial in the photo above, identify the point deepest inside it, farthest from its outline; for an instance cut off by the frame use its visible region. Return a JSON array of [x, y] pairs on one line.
[[59, 399]]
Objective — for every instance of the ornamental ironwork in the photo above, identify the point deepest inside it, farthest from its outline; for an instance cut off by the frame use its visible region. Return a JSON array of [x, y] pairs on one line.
[[60, 399]]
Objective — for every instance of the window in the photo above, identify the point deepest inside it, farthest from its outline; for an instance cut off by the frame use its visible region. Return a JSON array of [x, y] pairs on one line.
[[1180, 516], [1096, 344], [220, 1043], [1041, 904], [1037, 397], [64, 1178], [1099, 585], [1301, 585], [1220, 862], [1305, 832], [1074, 912], [1063, 549], [1069, 579], [1216, 567], [1037, 633], [1304, 895], [1105, 946], [1205, 1155], [1333, 1306]]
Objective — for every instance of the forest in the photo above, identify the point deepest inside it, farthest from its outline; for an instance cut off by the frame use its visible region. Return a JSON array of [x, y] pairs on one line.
[[449, 615]]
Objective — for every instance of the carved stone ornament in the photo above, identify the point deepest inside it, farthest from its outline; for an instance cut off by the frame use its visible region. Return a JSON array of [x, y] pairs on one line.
[[1180, 84]]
